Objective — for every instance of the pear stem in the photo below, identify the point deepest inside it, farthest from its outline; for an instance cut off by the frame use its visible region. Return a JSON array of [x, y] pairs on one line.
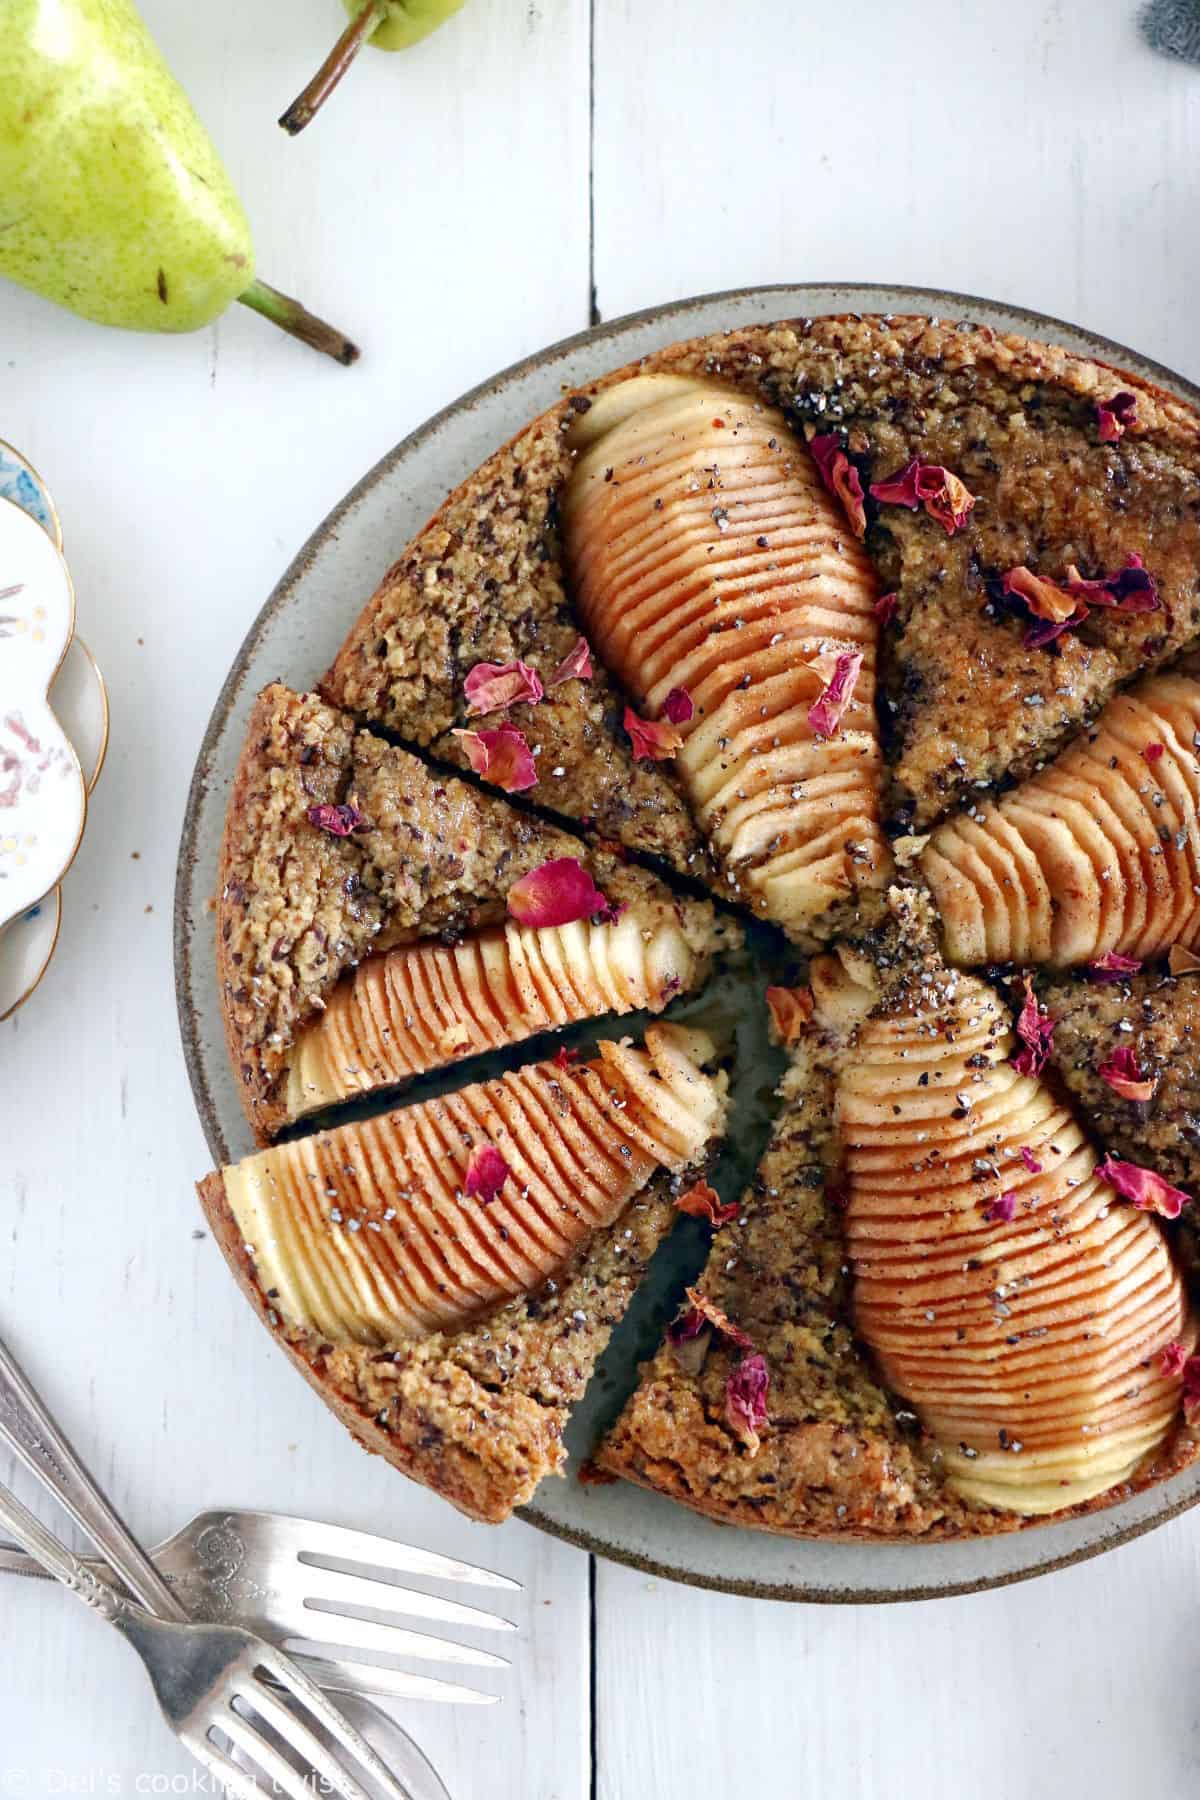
[[298, 322], [307, 104]]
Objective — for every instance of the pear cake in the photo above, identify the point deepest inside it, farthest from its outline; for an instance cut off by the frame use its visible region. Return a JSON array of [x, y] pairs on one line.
[[863, 649]]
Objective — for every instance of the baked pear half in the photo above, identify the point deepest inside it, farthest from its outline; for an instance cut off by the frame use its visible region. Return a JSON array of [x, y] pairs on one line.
[[414, 1264], [1097, 853], [722, 584]]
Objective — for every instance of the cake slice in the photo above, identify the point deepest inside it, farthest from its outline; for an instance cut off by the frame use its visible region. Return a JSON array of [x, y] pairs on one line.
[[897, 1336], [339, 847], [721, 582], [446, 1275], [1096, 854]]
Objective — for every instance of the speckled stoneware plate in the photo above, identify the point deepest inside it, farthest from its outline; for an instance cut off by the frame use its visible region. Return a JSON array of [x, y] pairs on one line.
[[53, 738], [295, 637]]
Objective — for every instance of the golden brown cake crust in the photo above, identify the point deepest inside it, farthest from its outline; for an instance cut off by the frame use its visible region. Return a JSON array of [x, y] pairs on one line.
[[298, 906], [970, 703], [476, 1415]]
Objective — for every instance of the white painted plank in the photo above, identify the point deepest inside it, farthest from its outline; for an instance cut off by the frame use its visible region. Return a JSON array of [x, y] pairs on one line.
[[1055, 1690], [1034, 151], [423, 213]]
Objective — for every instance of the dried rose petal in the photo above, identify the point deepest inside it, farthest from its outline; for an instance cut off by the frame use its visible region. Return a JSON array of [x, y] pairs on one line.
[[839, 671], [841, 478], [557, 893], [339, 821], [1113, 967], [653, 741], [1191, 1389], [1114, 415], [1035, 1029], [790, 1010], [678, 706], [885, 609], [713, 1315], [1182, 962], [1125, 1078], [1171, 1360], [1002, 1209], [490, 687], [563, 1058], [1047, 631], [502, 757], [1030, 1160], [1045, 599], [746, 1400], [487, 1173], [703, 1202], [576, 665], [1146, 1190], [1152, 752], [1131, 589], [944, 497]]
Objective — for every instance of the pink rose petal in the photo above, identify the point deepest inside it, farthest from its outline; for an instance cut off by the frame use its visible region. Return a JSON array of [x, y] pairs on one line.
[[487, 1172], [841, 478], [1030, 1160], [1146, 1190], [557, 893], [901, 488], [839, 671], [492, 686], [1002, 1209], [652, 740], [1114, 416], [1044, 598], [885, 609], [701, 1312], [1035, 1029], [339, 821], [943, 495], [790, 1009], [1191, 1389], [746, 1400], [678, 706], [502, 757], [1048, 631], [1171, 1360], [1132, 589], [576, 665], [1125, 1078], [703, 1202], [1113, 967], [1152, 752]]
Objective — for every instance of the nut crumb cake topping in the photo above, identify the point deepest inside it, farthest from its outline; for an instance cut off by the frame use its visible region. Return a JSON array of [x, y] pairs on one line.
[[881, 631]]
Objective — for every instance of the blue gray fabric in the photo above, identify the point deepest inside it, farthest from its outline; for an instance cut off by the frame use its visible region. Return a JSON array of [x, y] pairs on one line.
[[1173, 26]]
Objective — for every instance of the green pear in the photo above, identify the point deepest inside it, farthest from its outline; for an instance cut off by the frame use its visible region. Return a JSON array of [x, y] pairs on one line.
[[388, 25], [113, 200]]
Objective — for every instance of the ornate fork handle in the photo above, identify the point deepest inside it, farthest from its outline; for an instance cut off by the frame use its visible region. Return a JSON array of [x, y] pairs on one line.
[[28, 1428]]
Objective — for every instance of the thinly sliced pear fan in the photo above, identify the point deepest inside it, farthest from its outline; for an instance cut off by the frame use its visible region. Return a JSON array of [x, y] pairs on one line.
[[367, 1234], [1029, 1347], [423, 1005], [707, 555], [1097, 852]]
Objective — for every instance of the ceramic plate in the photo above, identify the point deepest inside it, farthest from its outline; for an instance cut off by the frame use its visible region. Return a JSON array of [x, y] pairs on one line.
[[295, 637]]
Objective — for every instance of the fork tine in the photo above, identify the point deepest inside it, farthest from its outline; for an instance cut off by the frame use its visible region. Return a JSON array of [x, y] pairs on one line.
[[321, 1709], [345, 1632], [375, 1678], [286, 1777], [387, 1553], [341, 1589], [236, 1780]]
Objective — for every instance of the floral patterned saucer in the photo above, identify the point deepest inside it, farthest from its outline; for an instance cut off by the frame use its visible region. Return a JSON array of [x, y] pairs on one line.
[[53, 728]]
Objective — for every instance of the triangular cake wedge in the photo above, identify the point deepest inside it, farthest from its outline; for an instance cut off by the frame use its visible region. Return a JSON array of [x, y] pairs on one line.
[[716, 575], [446, 1275], [1127, 1049], [339, 847], [1020, 423], [1096, 854], [969, 1240]]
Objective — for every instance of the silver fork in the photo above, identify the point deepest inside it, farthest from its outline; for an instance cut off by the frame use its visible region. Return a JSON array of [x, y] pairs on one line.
[[220, 1686], [260, 1570]]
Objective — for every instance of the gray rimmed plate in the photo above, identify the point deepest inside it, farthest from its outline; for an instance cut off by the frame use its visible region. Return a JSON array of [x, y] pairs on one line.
[[296, 636]]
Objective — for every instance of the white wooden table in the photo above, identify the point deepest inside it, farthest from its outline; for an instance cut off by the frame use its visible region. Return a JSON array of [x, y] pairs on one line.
[[527, 168]]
